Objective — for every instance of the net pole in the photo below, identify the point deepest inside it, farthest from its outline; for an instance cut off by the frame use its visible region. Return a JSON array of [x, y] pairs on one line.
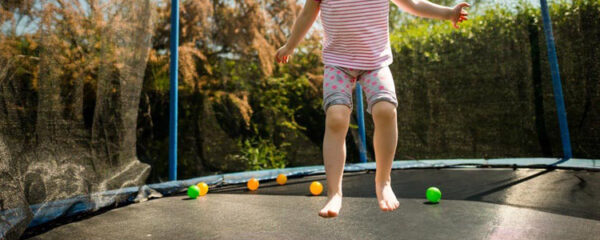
[[361, 124], [556, 83], [173, 93]]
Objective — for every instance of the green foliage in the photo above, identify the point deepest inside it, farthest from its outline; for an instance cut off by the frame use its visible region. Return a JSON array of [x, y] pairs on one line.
[[262, 154], [485, 90], [469, 92], [481, 90], [275, 98]]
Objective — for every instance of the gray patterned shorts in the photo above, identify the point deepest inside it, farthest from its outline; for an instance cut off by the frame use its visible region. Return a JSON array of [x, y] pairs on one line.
[[339, 82]]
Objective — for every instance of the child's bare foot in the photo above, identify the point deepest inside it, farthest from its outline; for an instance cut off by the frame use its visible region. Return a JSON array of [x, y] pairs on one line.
[[385, 196], [332, 208]]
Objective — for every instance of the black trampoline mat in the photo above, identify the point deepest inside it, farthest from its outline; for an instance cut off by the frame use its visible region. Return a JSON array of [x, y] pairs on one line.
[[476, 204], [566, 192]]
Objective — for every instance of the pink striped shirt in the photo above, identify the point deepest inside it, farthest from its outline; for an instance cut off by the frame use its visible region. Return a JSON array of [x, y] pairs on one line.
[[356, 33]]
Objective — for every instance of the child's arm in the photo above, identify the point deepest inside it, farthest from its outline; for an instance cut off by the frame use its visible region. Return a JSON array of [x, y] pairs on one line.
[[305, 20], [424, 8]]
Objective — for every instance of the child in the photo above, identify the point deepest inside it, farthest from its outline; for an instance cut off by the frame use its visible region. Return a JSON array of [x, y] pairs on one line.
[[356, 48]]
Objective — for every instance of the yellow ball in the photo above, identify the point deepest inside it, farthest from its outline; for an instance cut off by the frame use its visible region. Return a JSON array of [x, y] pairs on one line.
[[316, 188], [203, 188], [281, 179], [253, 184]]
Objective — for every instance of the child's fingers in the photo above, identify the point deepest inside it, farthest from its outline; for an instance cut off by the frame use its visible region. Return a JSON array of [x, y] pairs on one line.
[[464, 4], [461, 12], [281, 59]]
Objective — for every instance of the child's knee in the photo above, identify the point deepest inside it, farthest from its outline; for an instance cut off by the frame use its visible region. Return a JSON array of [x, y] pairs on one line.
[[384, 110], [338, 118]]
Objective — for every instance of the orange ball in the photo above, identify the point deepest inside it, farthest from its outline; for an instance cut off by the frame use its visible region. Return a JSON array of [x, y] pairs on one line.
[[316, 188], [203, 188], [252, 184], [281, 179]]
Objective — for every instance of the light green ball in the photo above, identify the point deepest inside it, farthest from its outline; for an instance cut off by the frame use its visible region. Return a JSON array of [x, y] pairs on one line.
[[433, 194], [193, 191]]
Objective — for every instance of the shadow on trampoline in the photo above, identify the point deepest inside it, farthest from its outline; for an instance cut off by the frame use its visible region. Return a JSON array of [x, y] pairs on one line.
[[479, 196]]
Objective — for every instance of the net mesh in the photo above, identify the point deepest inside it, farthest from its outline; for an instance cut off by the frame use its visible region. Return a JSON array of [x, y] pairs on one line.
[[69, 108]]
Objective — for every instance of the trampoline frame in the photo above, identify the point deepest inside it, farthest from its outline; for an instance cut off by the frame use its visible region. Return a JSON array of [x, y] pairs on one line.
[[46, 212]]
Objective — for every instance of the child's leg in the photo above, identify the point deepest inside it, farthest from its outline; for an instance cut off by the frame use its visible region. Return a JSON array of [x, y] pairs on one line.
[[337, 103], [334, 156], [381, 97], [385, 140]]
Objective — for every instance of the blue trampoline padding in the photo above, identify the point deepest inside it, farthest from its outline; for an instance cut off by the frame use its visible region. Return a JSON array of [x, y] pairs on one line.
[[49, 211], [10, 218]]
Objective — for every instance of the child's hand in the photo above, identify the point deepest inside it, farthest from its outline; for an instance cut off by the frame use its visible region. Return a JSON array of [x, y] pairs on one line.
[[458, 14], [283, 54]]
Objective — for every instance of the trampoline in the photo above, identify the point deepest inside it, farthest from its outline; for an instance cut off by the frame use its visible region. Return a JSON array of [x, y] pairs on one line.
[[496, 200], [89, 99]]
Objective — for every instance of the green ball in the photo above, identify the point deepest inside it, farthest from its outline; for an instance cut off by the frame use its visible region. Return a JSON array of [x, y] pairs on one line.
[[193, 191], [433, 194]]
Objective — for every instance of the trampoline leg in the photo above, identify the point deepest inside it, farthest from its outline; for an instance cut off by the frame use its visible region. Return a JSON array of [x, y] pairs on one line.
[[556, 84], [361, 124], [173, 90]]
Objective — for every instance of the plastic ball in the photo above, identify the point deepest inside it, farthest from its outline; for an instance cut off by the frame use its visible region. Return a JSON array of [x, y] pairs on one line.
[[281, 179], [316, 188], [203, 188], [193, 191], [253, 184], [433, 194]]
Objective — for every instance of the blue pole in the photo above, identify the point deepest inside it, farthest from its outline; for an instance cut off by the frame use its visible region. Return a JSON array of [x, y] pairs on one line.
[[361, 124], [173, 90], [556, 84]]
